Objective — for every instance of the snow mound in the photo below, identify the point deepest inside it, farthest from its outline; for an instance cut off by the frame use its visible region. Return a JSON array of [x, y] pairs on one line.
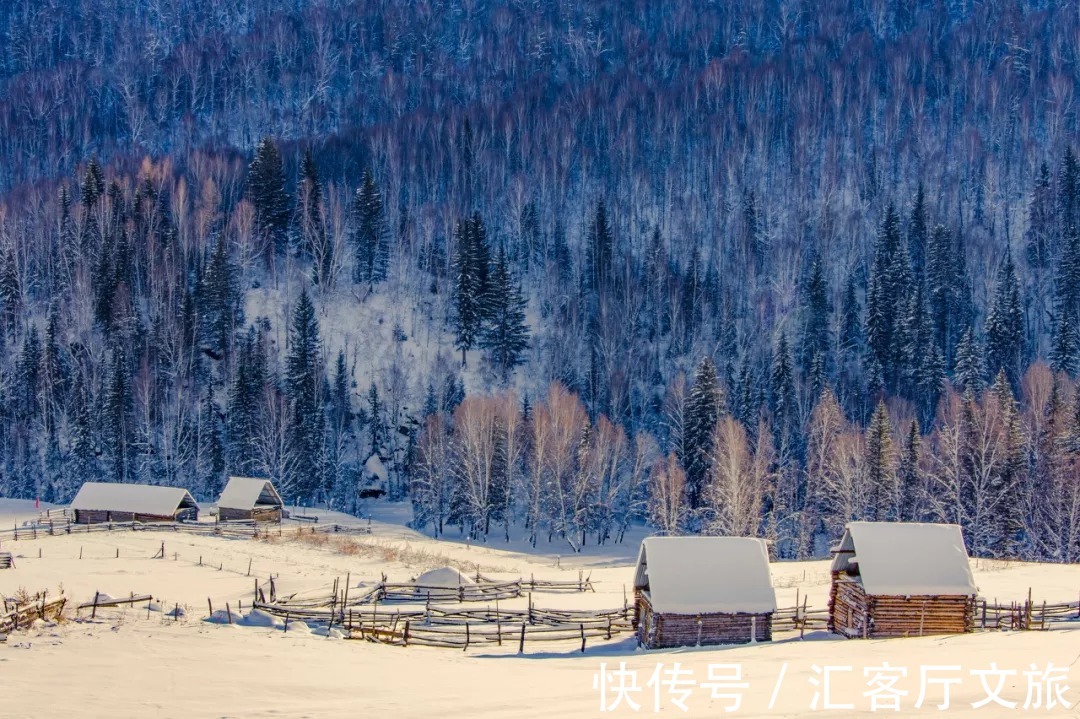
[[259, 618], [298, 627], [177, 612], [220, 616], [446, 577]]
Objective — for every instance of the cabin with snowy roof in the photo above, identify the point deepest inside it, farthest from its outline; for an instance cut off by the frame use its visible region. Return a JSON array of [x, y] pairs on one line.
[[901, 579], [691, 591], [99, 502], [250, 499]]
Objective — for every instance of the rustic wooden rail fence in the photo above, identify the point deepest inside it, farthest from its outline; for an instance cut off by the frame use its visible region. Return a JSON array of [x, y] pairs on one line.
[[233, 529], [16, 615]]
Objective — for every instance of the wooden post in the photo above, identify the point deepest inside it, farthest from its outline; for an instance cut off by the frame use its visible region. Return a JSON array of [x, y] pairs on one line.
[[286, 623], [466, 636], [118, 552], [582, 625], [210, 606], [93, 612], [249, 567], [406, 635], [521, 643], [228, 610], [176, 613], [984, 615], [922, 618], [80, 552]]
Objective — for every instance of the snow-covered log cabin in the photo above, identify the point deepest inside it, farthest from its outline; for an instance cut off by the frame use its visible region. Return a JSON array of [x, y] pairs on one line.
[[895, 579], [99, 502], [691, 591], [248, 498]]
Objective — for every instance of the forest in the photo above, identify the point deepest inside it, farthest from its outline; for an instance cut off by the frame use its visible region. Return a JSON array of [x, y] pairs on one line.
[[754, 268]]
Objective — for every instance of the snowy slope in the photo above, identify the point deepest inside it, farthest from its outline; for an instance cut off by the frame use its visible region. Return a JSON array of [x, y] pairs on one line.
[[125, 664]]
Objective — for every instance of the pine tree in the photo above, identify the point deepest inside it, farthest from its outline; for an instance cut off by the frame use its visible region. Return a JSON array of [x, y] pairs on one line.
[[1009, 512], [1069, 193], [816, 308], [886, 299], [970, 372], [221, 302], [600, 250], [1038, 237], [880, 470], [266, 188], [116, 417], [918, 233], [11, 305], [703, 409], [368, 233], [1065, 339], [1005, 324], [506, 334], [909, 474], [783, 404], [304, 381], [471, 293], [316, 242]]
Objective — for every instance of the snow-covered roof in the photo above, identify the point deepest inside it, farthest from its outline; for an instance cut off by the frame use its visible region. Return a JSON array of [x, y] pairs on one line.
[[906, 558], [699, 575], [248, 493], [133, 498], [375, 467]]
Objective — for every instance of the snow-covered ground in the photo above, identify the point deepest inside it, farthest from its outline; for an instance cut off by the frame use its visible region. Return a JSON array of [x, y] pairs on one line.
[[126, 664]]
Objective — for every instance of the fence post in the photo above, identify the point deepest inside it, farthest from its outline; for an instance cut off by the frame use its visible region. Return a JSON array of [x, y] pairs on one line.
[[406, 635], [521, 643], [93, 612], [582, 625], [466, 636]]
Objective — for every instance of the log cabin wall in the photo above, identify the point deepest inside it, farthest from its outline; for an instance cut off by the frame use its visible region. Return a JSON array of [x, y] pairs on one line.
[[660, 630], [854, 614]]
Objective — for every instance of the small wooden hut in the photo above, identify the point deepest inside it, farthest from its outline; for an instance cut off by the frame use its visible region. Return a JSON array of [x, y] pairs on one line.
[[690, 591], [99, 502], [247, 498], [896, 579]]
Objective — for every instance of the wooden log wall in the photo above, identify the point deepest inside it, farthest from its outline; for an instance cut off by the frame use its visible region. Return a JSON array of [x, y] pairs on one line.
[[658, 630], [853, 613]]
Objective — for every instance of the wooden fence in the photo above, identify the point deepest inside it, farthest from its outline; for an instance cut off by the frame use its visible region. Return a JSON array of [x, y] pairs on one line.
[[16, 615], [233, 530]]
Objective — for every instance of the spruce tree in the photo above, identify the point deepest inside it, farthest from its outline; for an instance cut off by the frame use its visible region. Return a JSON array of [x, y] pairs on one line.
[[703, 409], [303, 381], [783, 404], [880, 470], [600, 250], [1038, 238], [506, 333], [970, 372], [816, 308], [909, 475], [266, 188], [1005, 324], [316, 242], [918, 233], [368, 233], [471, 292]]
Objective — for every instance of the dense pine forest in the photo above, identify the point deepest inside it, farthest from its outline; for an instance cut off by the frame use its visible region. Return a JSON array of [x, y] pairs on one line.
[[551, 268]]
